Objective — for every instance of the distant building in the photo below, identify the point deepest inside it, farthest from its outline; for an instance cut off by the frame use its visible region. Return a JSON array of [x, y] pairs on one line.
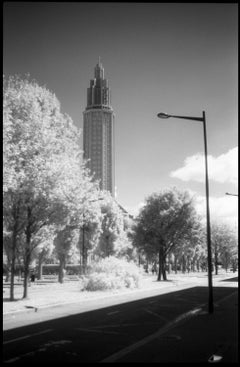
[[98, 131]]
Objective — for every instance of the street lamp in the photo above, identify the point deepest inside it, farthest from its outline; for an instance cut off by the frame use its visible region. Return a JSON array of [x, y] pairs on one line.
[[227, 193], [203, 120]]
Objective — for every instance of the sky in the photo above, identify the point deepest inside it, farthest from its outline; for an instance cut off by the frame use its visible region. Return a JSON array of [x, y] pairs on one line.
[[179, 58]]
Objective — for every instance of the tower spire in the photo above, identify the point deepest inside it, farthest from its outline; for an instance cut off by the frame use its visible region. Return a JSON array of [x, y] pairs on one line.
[[99, 71]]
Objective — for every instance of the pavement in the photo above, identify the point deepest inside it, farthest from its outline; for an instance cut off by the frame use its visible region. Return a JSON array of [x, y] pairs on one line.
[[43, 294]]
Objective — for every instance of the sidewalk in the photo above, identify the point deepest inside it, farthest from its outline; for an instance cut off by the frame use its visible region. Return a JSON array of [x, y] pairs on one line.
[[43, 294]]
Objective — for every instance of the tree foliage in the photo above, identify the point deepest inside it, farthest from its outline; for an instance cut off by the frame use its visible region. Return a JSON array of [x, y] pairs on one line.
[[44, 175], [224, 245], [167, 221], [113, 238]]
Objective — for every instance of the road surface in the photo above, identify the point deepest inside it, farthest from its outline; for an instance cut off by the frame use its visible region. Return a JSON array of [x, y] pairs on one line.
[[150, 329]]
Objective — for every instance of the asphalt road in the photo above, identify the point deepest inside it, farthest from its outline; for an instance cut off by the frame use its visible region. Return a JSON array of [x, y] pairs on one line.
[[123, 332]]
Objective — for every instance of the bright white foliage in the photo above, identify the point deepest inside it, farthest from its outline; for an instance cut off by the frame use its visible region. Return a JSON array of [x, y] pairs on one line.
[[112, 273], [44, 174]]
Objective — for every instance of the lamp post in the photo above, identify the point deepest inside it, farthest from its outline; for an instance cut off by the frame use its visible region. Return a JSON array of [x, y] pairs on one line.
[[227, 193], [203, 120]]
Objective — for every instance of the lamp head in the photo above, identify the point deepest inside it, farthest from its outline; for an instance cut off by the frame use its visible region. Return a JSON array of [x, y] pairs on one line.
[[163, 115]]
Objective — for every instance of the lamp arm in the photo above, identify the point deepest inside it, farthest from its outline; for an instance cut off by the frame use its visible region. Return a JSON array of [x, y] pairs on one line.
[[189, 118]]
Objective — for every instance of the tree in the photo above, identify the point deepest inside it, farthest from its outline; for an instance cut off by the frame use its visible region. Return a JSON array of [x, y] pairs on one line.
[[224, 243], [127, 249], [89, 231], [188, 253], [44, 246], [7, 255], [113, 238], [14, 224], [43, 164], [166, 221], [64, 241]]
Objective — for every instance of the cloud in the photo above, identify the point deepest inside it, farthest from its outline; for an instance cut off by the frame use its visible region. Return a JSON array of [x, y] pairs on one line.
[[220, 169], [223, 209]]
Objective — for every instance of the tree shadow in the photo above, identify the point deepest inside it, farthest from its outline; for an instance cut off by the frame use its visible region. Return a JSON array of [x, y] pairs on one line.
[[235, 279], [7, 299]]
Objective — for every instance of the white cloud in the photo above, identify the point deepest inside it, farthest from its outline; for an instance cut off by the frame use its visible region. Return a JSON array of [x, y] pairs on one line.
[[220, 169], [224, 209]]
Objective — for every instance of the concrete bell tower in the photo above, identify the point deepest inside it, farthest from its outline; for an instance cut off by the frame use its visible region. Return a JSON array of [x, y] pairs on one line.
[[98, 131]]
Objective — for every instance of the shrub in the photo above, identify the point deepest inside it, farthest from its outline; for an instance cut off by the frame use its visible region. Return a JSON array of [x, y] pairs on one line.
[[112, 273]]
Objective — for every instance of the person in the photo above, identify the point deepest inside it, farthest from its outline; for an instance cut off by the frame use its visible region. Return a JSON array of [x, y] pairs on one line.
[[33, 277], [154, 269]]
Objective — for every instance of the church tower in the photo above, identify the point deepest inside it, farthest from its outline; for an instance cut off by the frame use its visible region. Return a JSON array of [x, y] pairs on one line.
[[98, 131]]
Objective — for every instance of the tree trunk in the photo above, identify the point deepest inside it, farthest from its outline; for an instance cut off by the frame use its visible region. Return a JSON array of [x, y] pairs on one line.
[[164, 270], [41, 258], [82, 253], [14, 245], [15, 213], [26, 273], [85, 254], [25, 281], [193, 265], [40, 264], [183, 264], [216, 264], [162, 264], [175, 264], [198, 266], [169, 265], [85, 258], [61, 270], [215, 259], [8, 269], [147, 270], [27, 253], [188, 264], [159, 266], [234, 265], [8, 273], [12, 277]]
